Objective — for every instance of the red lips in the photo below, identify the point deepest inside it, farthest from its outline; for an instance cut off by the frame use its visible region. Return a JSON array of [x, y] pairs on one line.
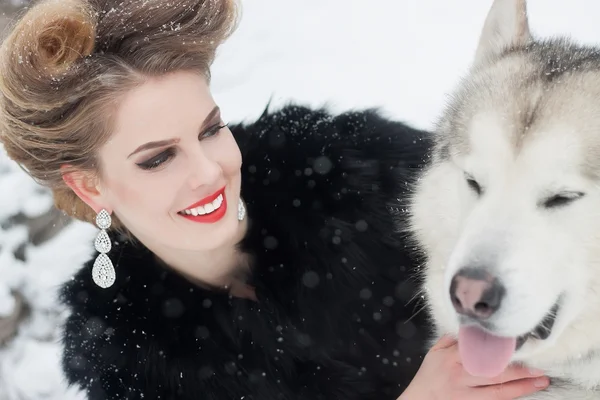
[[211, 217]]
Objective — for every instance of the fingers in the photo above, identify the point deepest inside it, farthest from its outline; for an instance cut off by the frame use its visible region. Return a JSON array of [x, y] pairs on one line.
[[511, 390], [511, 373], [444, 342]]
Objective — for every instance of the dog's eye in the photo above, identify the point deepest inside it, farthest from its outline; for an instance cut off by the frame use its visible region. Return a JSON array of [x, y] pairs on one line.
[[473, 184], [562, 199]]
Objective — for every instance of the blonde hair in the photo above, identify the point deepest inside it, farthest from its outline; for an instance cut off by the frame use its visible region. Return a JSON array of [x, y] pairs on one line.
[[66, 62]]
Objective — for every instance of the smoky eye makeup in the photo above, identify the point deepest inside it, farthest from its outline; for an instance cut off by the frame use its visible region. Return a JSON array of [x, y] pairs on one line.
[[212, 130], [211, 126], [166, 155], [157, 160]]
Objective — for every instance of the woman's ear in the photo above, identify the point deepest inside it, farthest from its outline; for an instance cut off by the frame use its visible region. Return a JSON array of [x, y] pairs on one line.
[[85, 185]]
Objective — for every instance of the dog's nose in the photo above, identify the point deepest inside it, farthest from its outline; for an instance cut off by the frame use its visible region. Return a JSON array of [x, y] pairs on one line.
[[476, 293]]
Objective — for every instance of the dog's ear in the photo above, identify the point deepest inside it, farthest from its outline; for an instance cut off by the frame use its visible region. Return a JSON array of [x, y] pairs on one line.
[[505, 26]]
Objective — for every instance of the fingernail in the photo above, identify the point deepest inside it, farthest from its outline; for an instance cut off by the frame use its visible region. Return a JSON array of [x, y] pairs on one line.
[[541, 382], [535, 372]]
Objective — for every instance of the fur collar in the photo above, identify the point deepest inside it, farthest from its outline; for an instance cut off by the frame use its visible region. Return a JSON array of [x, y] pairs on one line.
[[333, 318]]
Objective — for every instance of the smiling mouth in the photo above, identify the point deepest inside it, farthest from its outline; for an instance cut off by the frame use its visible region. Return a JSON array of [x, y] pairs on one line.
[[543, 330], [208, 210]]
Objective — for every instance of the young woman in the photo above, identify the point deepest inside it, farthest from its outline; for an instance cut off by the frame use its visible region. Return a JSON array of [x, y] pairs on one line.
[[260, 261]]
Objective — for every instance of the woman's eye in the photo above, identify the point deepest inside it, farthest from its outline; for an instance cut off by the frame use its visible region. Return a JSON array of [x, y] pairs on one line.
[[212, 131], [166, 155], [157, 160]]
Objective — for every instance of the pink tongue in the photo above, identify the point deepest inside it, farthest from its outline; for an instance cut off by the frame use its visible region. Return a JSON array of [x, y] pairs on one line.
[[482, 354]]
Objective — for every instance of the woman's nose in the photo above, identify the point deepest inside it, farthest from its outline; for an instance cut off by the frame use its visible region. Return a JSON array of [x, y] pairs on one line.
[[204, 171]]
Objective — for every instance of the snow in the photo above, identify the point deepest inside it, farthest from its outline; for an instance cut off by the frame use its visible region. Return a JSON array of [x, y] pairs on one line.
[[401, 56]]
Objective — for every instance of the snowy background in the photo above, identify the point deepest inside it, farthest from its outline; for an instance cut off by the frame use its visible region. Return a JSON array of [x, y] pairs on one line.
[[400, 55]]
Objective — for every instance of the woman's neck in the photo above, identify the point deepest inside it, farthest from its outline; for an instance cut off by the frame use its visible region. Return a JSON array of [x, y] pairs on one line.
[[216, 268]]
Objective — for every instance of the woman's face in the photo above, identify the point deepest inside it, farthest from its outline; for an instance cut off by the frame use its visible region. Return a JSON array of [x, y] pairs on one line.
[[171, 169]]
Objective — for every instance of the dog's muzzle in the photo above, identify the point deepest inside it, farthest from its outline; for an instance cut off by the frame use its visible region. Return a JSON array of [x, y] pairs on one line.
[[477, 296]]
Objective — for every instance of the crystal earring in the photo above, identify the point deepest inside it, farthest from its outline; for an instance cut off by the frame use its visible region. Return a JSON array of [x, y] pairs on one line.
[[103, 272], [241, 210]]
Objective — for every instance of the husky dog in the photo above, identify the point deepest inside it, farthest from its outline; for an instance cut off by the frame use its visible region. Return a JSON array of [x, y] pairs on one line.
[[507, 213]]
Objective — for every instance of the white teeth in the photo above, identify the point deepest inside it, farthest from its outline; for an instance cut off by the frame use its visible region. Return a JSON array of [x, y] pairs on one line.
[[207, 208]]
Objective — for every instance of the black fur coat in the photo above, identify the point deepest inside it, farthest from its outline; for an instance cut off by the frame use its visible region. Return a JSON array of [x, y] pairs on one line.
[[334, 316]]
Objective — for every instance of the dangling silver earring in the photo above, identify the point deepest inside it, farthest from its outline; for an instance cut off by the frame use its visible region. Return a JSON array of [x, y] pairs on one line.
[[103, 272], [241, 210]]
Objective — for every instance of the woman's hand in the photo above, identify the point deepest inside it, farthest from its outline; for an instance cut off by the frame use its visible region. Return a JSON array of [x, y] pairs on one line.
[[442, 377]]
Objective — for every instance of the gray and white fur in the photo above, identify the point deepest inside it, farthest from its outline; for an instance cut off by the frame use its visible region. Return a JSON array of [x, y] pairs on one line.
[[512, 192]]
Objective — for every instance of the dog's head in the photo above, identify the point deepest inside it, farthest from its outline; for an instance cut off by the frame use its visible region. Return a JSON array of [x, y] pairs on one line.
[[508, 212]]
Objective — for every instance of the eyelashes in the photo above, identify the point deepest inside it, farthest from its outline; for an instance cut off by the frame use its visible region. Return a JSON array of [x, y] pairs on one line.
[[212, 131], [168, 154], [157, 160]]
